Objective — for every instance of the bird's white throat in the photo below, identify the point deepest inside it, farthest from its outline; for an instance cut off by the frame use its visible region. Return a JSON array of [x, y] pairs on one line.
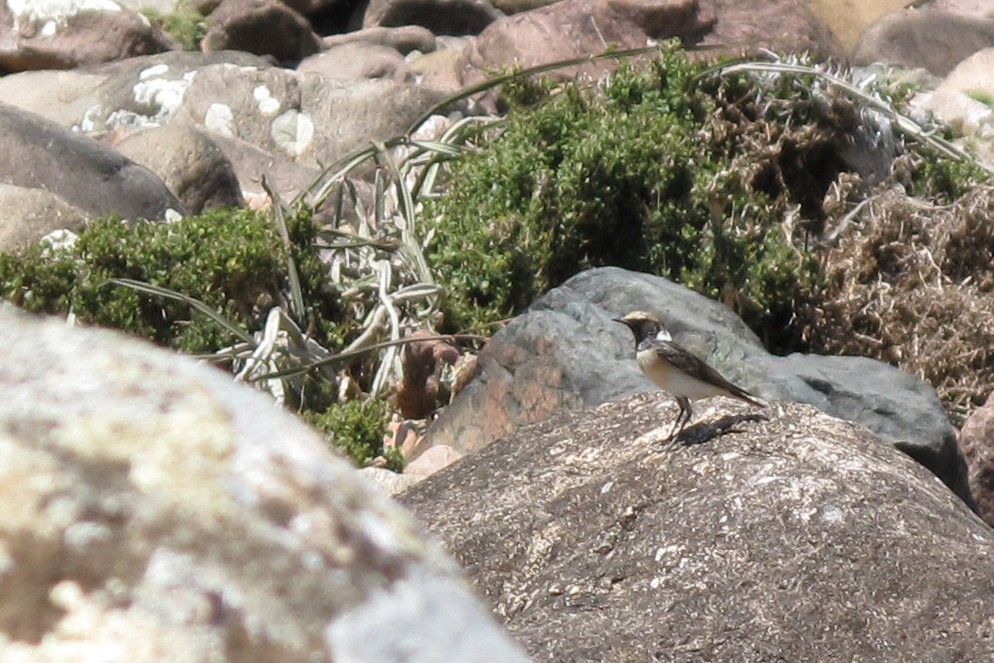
[[664, 335]]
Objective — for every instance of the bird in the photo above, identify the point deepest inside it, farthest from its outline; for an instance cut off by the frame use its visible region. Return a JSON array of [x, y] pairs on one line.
[[674, 369]]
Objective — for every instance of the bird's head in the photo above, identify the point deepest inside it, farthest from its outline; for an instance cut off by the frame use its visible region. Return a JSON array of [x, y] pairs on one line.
[[645, 325]]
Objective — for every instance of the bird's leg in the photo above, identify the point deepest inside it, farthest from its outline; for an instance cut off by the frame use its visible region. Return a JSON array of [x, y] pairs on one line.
[[682, 417]]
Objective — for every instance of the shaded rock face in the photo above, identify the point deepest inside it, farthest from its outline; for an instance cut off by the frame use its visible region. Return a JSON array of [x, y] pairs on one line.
[[566, 353], [263, 27], [801, 538], [189, 163], [976, 440], [153, 510], [86, 175], [27, 214]]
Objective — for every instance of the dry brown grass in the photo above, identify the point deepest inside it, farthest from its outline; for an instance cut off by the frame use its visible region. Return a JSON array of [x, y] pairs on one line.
[[910, 282]]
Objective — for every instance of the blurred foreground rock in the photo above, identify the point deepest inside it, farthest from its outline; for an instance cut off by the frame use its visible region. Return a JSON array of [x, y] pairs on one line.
[[152, 510], [801, 538]]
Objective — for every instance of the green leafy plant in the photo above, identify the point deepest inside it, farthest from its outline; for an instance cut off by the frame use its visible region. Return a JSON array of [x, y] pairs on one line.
[[357, 427], [185, 24]]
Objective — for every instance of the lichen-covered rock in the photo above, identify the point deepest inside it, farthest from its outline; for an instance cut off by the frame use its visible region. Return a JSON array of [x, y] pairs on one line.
[[800, 538], [152, 510]]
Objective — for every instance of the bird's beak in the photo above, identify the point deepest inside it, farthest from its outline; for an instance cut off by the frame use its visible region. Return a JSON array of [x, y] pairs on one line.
[[619, 320]]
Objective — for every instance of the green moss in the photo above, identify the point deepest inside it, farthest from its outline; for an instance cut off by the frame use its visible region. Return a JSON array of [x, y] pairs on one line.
[[185, 24], [357, 428], [232, 260]]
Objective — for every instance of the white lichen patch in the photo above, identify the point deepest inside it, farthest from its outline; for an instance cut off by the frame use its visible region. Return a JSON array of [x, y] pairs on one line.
[[163, 94], [293, 131], [268, 104], [49, 16], [220, 119]]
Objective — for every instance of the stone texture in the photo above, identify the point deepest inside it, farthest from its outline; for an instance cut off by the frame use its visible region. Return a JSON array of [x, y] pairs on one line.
[[779, 25], [265, 118], [189, 163], [565, 353], [28, 214], [405, 39], [63, 35], [153, 510], [848, 18], [976, 441], [442, 17], [576, 28], [801, 538], [975, 8], [262, 27], [963, 99], [358, 61], [87, 175], [934, 40]]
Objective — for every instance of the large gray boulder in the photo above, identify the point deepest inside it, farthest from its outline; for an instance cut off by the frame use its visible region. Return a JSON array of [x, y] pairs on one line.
[[800, 538], [153, 510], [565, 353]]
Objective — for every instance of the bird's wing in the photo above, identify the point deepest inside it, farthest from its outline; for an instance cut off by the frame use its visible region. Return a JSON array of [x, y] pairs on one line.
[[691, 364]]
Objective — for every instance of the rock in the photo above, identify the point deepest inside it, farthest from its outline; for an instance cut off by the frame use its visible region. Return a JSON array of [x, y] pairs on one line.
[[801, 538], [358, 61], [189, 163], [432, 460], [391, 483], [847, 18], [442, 17], [963, 99], [779, 25], [909, 38], [295, 122], [262, 27], [63, 35], [28, 214], [93, 178], [565, 353], [441, 70], [976, 441], [405, 39], [577, 28], [975, 8], [154, 510]]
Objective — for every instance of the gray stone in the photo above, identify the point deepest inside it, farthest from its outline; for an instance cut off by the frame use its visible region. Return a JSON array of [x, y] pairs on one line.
[[189, 163], [934, 40], [63, 35], [28, 214], [262, 27], [442, 17], [405, 38], [153, 510], [800, 538], [565, 353], [77, 169]]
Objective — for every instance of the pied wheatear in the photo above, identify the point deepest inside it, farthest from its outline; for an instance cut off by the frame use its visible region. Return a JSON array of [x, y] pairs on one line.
[[674, 369]]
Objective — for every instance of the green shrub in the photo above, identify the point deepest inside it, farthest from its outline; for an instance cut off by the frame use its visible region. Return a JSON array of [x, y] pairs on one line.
[[185, 24], [643, 172], [357, 428], [232, 260]]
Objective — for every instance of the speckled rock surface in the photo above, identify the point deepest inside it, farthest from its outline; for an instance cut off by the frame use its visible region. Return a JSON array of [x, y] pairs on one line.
[[152, 510], [801, 538]]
